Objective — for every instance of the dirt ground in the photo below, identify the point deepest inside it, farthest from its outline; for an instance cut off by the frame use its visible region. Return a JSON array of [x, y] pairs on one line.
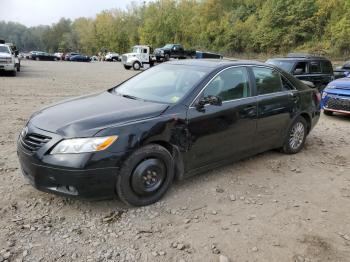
[[270, 207]]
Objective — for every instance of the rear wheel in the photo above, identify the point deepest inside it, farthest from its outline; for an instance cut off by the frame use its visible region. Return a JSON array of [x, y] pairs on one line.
[[145, 176], [327, 113], [296, 136], [136, 66]]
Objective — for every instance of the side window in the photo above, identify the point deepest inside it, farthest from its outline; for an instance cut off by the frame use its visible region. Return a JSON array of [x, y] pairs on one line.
[[267, 80], [144, 51], [230, 84], [327, 67], [300, 68], [315, 67]]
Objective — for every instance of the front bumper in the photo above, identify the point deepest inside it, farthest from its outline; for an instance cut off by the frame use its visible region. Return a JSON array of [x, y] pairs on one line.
[[336, 103], [90, 175], [7, 67]]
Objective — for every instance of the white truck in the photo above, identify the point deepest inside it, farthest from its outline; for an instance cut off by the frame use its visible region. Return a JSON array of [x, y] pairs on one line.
[[140, 57], [8, 61]]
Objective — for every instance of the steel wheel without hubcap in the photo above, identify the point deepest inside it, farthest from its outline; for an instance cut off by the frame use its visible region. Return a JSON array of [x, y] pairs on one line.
[[297, 135], [148, 176]]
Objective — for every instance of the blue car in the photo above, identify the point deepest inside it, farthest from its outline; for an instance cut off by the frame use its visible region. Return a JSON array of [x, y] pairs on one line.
[[80, 58], [336, 97]]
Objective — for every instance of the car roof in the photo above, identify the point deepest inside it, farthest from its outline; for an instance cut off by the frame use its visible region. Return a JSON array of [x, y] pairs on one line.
[[299, 58], [215, 63]]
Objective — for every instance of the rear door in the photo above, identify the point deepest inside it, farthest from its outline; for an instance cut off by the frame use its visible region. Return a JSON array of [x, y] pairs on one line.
[[276, 100], [227, 131]]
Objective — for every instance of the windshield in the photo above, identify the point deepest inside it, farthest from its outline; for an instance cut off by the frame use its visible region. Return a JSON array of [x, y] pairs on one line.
[[136, 50], [5, 49], [283, 64], [168, 46], [163, 83]]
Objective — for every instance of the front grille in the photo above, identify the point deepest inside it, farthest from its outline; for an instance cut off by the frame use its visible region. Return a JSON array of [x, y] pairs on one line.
[[338, 104], [3, 61], [124, 58], [33, 142]]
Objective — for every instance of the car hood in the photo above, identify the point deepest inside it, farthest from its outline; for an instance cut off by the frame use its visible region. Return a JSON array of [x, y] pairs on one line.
[[342, 83], [5, 55], [85, 116]]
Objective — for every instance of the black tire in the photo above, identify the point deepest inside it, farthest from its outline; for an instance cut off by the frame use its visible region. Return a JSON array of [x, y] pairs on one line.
[[327, 112], [136, 66], [166, 57], [293, 145], [127, 67], [131, 186], [13, 73]]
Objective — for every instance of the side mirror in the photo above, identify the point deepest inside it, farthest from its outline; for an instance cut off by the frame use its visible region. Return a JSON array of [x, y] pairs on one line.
[[209, 100], [298, 71]]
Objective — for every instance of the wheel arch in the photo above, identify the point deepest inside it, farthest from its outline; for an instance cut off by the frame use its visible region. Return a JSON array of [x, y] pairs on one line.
[[307, 117], [176, 154]]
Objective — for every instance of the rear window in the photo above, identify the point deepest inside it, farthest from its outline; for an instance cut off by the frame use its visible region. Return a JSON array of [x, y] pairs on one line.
[[283, 64]]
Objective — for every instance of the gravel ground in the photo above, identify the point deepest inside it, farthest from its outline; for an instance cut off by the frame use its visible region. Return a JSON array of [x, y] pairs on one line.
[[270, 207]]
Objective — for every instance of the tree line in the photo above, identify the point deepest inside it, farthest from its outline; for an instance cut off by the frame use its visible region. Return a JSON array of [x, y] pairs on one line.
[[225, 26]]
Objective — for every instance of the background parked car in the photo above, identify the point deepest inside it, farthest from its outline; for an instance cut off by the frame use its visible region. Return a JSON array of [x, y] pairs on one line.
[[43, 56], [68, 55], [80, 58], [173, 51], [111, 57], [7, 59], [336, 97], [342, 71], [315, 69]]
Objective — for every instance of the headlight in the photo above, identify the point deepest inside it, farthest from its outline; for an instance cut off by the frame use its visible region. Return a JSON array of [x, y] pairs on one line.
[[83, 145], [330, 86]]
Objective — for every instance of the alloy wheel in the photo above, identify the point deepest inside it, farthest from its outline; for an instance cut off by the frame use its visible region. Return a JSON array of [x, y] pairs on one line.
[[297, 134]]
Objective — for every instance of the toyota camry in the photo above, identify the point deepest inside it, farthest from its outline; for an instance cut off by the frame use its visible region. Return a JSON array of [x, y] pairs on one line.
[[169, 122]]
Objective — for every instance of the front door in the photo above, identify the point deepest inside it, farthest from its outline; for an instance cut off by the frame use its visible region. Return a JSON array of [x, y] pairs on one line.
[[226, 131]]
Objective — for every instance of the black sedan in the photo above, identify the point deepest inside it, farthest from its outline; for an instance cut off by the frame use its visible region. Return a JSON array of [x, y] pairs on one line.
[[42, 56], [171, 121], [80, 58]]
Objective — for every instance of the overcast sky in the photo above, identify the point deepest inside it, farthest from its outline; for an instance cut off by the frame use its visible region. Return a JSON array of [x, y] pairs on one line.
[[46, 12]]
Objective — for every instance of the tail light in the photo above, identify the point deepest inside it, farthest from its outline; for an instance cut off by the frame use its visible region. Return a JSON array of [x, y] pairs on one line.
[[317, 96]]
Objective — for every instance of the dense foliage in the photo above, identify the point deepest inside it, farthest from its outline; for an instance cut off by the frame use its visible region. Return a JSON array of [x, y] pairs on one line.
[[227, 26]]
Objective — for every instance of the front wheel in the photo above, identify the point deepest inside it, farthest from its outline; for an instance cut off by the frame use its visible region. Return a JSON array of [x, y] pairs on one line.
[[166, 57], [145, 176], [296, 137], [136, 66]]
